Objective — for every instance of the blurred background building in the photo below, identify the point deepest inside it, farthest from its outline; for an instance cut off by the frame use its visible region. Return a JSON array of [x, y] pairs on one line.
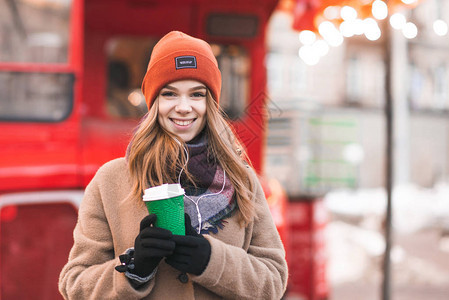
[[327, 139], [333, 108]]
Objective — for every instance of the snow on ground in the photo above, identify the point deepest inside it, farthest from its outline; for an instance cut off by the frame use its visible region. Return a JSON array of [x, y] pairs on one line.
[[355, 243], [414, 208]]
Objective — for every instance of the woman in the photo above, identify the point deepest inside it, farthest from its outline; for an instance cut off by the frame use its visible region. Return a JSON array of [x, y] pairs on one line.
[[231, 248]]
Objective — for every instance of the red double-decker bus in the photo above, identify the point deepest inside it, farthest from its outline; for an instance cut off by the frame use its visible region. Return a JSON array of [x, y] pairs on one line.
[[70, 74]]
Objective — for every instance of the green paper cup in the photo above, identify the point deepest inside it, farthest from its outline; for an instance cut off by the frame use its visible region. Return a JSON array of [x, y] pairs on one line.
[[167, 202]]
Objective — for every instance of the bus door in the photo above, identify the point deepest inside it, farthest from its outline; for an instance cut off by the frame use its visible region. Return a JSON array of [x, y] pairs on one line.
[[39, 149]]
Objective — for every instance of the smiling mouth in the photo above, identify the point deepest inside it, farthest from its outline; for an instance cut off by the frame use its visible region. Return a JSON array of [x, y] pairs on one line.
[[183, 122]]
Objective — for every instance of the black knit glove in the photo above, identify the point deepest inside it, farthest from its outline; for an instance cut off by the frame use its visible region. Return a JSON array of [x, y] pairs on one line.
[[192, 251], [151, 245]]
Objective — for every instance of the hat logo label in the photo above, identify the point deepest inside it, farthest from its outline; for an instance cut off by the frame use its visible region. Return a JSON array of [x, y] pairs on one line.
[[185, 62]]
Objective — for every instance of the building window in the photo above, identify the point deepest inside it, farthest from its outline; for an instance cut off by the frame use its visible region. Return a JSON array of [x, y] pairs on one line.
[[275, 72], [127, 60], [440, 87], [353, 81]]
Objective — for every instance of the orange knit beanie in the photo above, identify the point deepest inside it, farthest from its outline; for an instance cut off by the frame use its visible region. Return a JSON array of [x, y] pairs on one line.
[[178, 56]]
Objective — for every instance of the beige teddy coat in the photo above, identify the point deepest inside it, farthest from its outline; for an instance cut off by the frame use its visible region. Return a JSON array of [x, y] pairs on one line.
[[245, 263]]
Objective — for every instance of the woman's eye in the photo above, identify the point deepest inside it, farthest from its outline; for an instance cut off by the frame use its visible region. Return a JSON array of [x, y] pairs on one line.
[[199, 95], [168, 94]]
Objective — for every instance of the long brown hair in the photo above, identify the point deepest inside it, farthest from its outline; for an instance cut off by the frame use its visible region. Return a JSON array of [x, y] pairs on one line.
[[156, 156]]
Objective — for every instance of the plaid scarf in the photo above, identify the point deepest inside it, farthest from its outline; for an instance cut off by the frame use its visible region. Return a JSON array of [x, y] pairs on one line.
[[213, 205]]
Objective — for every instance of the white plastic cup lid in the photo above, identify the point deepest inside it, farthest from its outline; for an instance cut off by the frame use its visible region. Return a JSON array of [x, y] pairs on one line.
[[163, 191]]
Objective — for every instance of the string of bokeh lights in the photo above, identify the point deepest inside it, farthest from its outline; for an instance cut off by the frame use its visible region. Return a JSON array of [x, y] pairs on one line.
[[339, 22]]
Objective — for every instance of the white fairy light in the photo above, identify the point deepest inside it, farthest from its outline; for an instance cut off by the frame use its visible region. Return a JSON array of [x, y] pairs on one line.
[[440, 27], [348, 13], [373, 35], [346, 28], [309, 55], [353, 153], [369, 23], [330, 34], [307, 37], [397, 21], [408, 1], [326, 28], [136, 98], [379, 9], [410, 30], [331, 12], [371, 29]]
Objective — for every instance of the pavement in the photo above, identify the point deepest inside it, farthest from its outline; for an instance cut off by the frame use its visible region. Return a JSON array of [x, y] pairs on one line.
[[419, 258]]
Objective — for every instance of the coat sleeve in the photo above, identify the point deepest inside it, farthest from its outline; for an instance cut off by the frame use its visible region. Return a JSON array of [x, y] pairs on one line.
[[260, 272], [89, 272]]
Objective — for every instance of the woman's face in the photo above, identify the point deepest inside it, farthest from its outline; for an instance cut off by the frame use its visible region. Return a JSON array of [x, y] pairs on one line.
[[182, 108]]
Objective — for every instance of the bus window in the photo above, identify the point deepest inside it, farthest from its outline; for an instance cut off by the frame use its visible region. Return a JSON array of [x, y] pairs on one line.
[[127, 62], [35, 96], [127, 59], [234, 64], [34, 31]]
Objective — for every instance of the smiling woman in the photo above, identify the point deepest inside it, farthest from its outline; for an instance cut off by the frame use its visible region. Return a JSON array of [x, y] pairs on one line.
[[184, 139]]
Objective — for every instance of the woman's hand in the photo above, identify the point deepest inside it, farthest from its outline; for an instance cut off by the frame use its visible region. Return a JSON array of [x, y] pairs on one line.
[[192, 251], [151, 245]]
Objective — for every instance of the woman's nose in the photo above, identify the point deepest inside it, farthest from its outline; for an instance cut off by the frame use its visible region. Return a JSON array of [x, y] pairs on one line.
[[183, 105]]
